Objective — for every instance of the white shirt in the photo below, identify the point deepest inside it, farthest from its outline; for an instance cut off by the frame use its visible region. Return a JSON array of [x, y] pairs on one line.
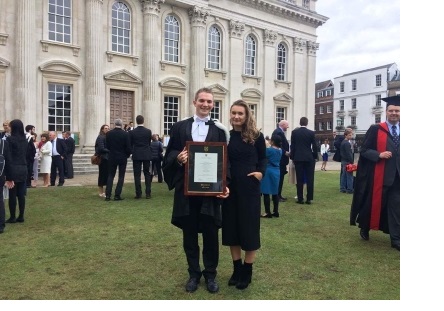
[[199, 130]]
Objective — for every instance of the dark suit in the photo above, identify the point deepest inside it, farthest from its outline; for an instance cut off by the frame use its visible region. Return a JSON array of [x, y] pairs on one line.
[[140, 139], [119, 146], [70, 149], [304, 151], [284, 158], [57, 161], [193, 214]]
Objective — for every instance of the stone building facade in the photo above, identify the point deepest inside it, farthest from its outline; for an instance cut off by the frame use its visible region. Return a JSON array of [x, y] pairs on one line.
[[77, 64]]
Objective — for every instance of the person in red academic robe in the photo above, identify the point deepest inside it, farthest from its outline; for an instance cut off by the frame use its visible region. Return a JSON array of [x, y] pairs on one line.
[[376, 198]]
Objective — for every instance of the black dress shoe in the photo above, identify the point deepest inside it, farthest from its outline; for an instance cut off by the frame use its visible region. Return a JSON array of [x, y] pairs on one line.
[[191, 285], [107, 199], [308, 202], [20, 219], [276, 215], [138, 197], [212, 286], [282, 199], [395, 246], [11, 221], [60, 184], [364, 234], [118, 198], [148, 196], [300, 201]]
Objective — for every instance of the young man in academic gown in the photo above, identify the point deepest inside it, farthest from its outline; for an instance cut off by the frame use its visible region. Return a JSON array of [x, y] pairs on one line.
[[195, 214], [376, 198]]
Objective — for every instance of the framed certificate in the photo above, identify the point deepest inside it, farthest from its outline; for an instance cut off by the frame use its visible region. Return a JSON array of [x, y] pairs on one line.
[[206, 168]]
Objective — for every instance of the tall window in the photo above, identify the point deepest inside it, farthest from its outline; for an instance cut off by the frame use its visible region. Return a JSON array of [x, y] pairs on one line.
[[215, 112], [378, 100], [354, 84], [353, 103], [214, 48], [121, 17], [170, 113], [281, 62], [329, 125], [377, 118], [321, 110], [329, 108], [250, 56], [320, 126], [353, 120], [341, 104], [281, 114], [59, 107], [378, 80], [253, 109], [319, 94], [172, 38], [341, 87], [59, 20]]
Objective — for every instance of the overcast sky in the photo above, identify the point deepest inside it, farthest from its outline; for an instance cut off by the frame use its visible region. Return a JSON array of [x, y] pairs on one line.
[[359, 35]]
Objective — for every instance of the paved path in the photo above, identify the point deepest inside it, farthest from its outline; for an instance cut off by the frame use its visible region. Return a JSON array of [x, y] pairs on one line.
[[91, 179]]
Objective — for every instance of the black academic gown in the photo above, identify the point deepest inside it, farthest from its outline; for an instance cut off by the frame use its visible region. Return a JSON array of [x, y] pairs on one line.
[[369, 205], [174, 172]]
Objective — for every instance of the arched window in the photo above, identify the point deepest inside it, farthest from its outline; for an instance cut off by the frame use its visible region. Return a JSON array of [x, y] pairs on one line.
[[281, 62], [172, 39], [250, 56], [214, 48], [121, 21]]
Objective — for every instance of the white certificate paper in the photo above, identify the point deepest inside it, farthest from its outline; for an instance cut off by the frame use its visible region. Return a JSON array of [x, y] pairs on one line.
[[205, 167]]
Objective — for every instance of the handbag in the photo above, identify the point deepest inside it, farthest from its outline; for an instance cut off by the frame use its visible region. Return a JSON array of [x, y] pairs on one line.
[[96, 159], [351, 167]]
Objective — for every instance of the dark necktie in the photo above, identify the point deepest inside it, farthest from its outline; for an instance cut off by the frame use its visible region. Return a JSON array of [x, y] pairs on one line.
[[395, 136]]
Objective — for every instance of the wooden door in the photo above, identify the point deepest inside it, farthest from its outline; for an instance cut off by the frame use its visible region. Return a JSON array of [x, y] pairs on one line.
[[121, 106]]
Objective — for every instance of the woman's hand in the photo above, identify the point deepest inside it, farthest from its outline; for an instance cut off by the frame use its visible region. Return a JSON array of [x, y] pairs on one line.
[[258, 175], [225, 194]]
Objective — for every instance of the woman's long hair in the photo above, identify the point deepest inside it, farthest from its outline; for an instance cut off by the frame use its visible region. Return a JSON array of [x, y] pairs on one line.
[[249, 131], [102, 132], [17, 128]]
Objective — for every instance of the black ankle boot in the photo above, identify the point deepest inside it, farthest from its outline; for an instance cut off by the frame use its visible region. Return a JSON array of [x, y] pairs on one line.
[[237, 267], [246, 274]]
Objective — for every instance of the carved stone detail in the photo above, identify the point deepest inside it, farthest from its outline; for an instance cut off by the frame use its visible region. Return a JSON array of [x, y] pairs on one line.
[[198, 15], [270, 37], [151, 6], [3, 38], [299, 44], [236, 28], [312, 47]]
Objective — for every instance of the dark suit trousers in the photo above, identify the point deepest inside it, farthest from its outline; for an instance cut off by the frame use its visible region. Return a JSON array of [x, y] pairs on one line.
[[393, 209], [137, 170], [283, 171], [57, 166], [69, 169], [194, 223], [308, 168], [112, 166], [157, 164]]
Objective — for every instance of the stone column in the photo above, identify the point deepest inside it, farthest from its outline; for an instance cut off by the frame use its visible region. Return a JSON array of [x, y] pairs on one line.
[[198, 19], [299, 79], [236, 49], [25, 62], [94, 85], [268, 111], [151, 105], [3, 23], [312, 47]]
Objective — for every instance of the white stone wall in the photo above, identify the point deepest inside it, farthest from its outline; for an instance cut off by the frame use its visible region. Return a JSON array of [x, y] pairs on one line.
[[29, 61]]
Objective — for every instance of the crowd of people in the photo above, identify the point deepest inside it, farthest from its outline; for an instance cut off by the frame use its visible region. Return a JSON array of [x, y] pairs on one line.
[[255, 165]]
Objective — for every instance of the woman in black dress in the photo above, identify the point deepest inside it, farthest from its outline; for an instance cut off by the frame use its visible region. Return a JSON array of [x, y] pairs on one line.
[[100, 149], [241, 211]]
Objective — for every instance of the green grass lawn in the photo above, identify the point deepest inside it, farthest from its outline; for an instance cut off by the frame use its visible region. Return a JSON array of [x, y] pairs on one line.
[[74, 245]]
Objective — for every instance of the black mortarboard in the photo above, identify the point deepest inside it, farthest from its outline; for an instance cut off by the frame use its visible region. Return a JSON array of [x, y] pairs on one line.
[[392, 100]]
